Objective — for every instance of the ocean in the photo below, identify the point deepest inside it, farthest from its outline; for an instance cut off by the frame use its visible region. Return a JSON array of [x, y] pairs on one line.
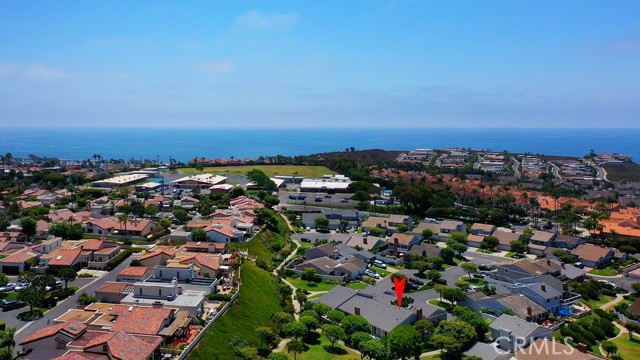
[[186, 144]]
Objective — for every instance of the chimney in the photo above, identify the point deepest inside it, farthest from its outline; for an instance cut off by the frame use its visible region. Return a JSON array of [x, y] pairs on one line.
[[562, 264], [543, 287], [419, 314], [565, 286], [395, 240], [582, 348], [548, 262], [395, 249], [424, 253], [529, 314], [365, 240], [565, 291], [356, 310]]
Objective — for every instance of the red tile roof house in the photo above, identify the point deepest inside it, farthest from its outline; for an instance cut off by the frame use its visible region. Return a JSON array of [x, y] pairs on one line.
[[62, 258], [140, 228], [224, 233], [74, 340], [19, 261], [113, 292], [205, 264], [202, 246], [99, 252], [135, 274], [158, 257]]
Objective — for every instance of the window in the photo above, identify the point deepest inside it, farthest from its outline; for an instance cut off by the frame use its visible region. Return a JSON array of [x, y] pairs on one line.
[[159, 292], [140, 291]]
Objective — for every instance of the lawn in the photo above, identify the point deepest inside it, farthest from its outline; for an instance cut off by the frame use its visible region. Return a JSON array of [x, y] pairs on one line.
[[626, 348], [261, 244], [432, 357], [473, 281], [9, 296], [304, 285], [318, 351], [514, 255], [254, 308], [269, 170], [381, 272], [443, 304], [357, 285], [603, 272], [595, 304], [305, 245]]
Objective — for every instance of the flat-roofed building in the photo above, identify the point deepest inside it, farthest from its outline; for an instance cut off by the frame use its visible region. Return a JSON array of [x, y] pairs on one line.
[[119, 181]]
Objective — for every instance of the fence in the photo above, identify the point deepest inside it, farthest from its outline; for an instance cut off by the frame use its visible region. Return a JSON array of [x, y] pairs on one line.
[[197, 339]]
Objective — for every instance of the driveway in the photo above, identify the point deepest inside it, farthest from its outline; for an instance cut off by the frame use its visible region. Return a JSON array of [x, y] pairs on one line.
[[26, 329]]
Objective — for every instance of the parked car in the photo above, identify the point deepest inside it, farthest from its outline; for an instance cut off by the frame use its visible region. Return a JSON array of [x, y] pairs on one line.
[[20, 286], [8, 305], [58, 285], [306, 239], [344, 200], [485, 267], [318, 199], [372, 274], [8, 287], [579, 265], [380, 264], [327, 196], [293, 196], [479, 275], [416, 281]]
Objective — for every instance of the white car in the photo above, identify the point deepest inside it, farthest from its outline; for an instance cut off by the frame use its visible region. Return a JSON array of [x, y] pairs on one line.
[[8, 287], [20, 286], [372, 274]]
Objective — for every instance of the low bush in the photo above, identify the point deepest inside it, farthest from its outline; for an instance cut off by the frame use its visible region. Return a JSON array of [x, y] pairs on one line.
[[604, 314], [85, 275], [118, 259], [30, 316], [219, 297]]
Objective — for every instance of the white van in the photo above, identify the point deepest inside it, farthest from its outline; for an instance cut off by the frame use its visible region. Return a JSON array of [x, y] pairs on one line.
[[380, 264]]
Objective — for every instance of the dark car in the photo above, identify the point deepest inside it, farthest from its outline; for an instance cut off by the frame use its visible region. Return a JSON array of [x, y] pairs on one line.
[[8, 305], [318, 199]]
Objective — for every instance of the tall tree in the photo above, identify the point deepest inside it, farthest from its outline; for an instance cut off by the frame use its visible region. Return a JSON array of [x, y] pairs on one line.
[[295, 346], [333, 333], [67, 274], [29, 226], [469, 268], [405, 342]]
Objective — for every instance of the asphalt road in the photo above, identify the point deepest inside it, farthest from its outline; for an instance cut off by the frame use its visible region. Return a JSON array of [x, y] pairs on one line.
[[11, 317], [27, 329]]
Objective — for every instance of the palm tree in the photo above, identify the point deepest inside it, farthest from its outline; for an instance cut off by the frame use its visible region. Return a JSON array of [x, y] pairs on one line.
[[7, 343], [122, 220]]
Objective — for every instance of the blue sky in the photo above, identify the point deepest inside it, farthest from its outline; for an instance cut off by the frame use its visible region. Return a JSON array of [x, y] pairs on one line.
[[323, 63]]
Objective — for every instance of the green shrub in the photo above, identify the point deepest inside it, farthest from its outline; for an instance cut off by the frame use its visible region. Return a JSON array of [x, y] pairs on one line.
[[604, 314], [598, 332], [118, 259], [219, 297], [30, 316]]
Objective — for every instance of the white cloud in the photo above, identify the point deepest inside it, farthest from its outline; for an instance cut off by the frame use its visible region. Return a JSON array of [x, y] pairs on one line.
[[215, 67], [257, 19], [41, 72], [33, 72]]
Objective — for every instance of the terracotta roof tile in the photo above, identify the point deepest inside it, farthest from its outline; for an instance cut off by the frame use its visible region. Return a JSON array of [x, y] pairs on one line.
[[72, 327], [134, 271], [65, 257], [123, 346]]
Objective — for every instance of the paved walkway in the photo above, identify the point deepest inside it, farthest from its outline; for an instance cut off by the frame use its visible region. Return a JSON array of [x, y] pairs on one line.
[[613, 302]]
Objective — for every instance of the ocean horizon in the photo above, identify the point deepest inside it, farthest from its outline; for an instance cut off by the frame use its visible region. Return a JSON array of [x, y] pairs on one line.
[[186, 144]]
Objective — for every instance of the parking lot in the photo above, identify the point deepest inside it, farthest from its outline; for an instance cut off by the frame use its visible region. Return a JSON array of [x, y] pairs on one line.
[[324, 199]]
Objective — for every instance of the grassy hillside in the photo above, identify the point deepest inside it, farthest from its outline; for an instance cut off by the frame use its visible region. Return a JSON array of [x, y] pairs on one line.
[[269, 170], [626, 172], [254, 307], [269, 243]]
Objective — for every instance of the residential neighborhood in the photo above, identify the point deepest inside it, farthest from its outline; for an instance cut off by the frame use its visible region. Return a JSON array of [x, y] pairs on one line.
[[179, 253]]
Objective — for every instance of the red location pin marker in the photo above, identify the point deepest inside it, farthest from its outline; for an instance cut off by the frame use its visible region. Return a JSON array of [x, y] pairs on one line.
[[399, 289]]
